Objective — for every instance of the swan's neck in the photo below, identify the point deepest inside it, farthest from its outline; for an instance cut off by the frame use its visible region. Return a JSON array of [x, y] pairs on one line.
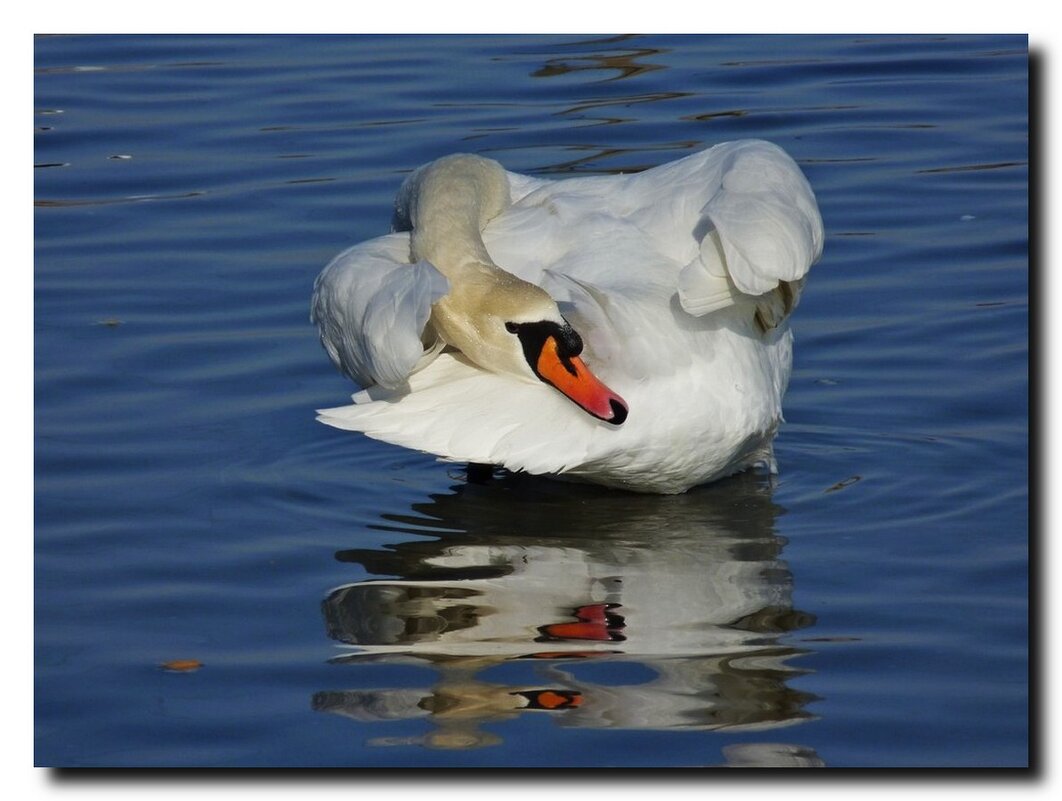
[[450, 202], [454, 200]]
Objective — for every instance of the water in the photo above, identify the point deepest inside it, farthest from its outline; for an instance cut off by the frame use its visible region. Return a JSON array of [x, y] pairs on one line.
[[354, 604]]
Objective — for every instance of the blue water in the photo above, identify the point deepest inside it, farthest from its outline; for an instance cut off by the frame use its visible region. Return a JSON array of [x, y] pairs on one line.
[[354, 604]]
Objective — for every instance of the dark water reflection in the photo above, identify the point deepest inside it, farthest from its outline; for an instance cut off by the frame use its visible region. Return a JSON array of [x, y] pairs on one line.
[[631, 612]]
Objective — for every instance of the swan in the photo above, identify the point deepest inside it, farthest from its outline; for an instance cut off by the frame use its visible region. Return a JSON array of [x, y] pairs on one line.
[[624, 330]]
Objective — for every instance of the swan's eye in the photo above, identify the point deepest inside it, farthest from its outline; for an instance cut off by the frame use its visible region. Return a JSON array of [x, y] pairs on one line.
[[512, 328], [572, 342]]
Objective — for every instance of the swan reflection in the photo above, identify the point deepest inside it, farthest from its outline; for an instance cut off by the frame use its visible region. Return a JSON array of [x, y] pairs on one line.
[[607, 610]]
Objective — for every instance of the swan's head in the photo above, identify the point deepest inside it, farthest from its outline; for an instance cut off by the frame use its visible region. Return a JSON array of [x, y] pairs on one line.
[[545, 344], [551, 350], [515, 327]]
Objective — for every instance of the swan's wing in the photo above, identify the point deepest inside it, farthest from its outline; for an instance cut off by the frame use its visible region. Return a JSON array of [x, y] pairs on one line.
[[371, 307], [759, 232], [466, 414], [739, 220]]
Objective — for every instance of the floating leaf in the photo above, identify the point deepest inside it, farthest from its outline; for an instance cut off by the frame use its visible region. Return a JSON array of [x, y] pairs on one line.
[[182, 665]]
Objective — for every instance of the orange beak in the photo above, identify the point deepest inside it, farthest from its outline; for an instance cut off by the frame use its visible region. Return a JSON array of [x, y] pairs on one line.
[[572, 377]]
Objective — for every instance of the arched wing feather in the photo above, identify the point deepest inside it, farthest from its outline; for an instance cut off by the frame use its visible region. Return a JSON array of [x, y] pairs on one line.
[[760, 233], [371, 307]]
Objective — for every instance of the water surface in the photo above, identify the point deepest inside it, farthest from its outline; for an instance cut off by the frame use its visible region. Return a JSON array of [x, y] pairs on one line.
[[355, 604]]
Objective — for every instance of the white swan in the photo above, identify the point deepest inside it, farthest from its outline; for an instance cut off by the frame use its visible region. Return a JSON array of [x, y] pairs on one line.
[[625, 330]]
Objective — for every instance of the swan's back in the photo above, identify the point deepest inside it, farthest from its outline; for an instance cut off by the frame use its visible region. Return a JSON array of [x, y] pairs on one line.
[[739, 219]]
